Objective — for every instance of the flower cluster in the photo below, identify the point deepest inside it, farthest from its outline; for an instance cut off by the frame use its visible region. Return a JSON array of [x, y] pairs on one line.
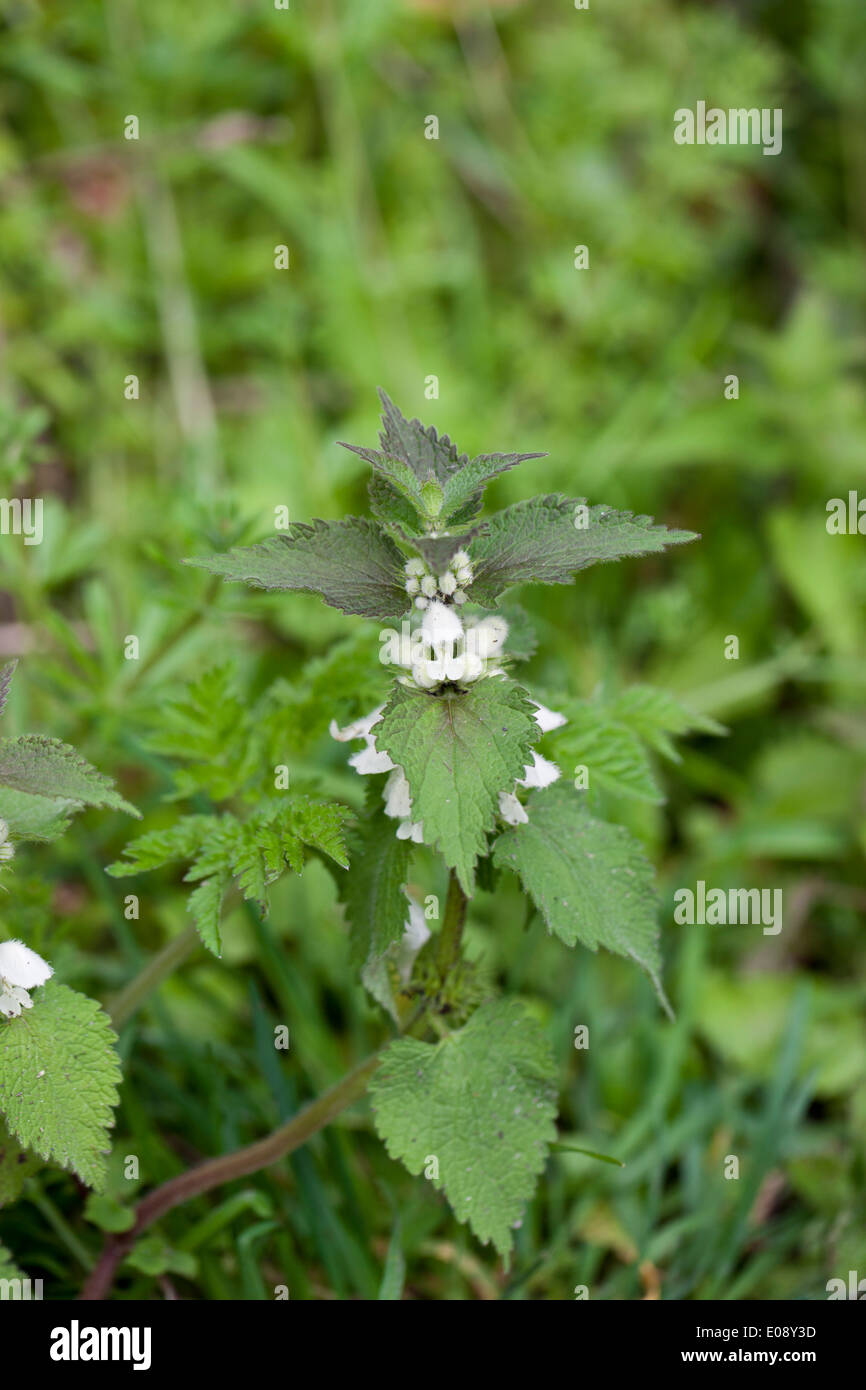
[[446, 664], [20, 969], [424, 586]]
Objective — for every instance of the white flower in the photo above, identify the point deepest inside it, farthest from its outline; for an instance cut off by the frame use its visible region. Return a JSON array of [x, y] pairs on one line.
[[415, 934], [511, 810], [464, 575], [459, 596], [412, 586], [20, 969], [421, 602], [447, 583], [415, 567], [411, 830], [547, 719], [541, 774], [441, 626], [487, 637], [398, 801], [359, 729], [7, 849], [428, 586], [370, 760], [460, 560]]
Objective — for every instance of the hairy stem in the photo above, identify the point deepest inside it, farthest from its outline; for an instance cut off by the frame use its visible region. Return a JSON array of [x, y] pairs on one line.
[[217, 1171], [158, 968], [451, 935]]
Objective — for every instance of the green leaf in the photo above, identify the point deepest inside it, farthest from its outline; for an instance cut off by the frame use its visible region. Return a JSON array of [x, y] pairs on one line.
[[177, 842], [613, 754], [372, 890], [482, 1102], [654, 715], [46, 767], [16, 1165], [108, 1213], [352, 564], [8, 1267], [466, 488], [459, 751], [35, 817], [590, 880], [58, 1080], [537, 542], [205, 903]]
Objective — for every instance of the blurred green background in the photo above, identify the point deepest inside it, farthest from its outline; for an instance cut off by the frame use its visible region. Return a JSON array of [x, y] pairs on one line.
[[412, 258]]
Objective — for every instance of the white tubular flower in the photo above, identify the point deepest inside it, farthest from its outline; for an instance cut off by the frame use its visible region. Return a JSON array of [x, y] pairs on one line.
[[464, 575], [511, 810], [441, 626], [421, 602], [415, 568], [370, 760], [541, 774], [415, 934], [547, 719], [7, 849], [20, 969], [413, 586], [411, 830], [427, 674], [447, 583], [360, 728], [459, 596], [398, 801], [428, 586], [487, 637], [460, 560]]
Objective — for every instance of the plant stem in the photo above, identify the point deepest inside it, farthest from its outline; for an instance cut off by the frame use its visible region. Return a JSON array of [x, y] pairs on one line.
[[216, 1171], [451, 935], [158, 968]]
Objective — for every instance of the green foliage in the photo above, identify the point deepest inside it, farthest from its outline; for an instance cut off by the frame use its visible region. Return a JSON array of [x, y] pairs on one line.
[[482, 1102], [58, 1080], [458, 752], [541, 541], [590, 881]]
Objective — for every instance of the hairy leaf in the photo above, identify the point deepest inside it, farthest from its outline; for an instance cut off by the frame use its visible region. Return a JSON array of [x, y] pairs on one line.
[[58, 1080], [459, 751], [7, 671], [482, 1103], [372, 890], [654, 715], [590, 880], [46, 767], [613, 755], [352, 564], [538, 541], [35, 817], [16, 1165]]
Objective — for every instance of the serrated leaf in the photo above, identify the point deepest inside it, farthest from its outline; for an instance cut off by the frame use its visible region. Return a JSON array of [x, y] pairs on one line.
[[35, 817], [205, 904], [352, 564], [591, 881], [58, 1080], [157, 847], [537, 542], [482, 1102], [458, 752], [463, 489], [655, 714], [390, 507], [438, 550], [46, 767], [16, 1165], [372, 890], [613, 754]]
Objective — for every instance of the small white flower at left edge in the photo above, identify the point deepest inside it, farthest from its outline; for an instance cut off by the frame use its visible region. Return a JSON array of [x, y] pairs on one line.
[[20, 970], [511, 810], [415, 934], [369, 760], [541, 774]]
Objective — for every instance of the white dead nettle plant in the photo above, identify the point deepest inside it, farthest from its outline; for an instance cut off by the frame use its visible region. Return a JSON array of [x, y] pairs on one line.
[[461, 655], [20, 970]]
